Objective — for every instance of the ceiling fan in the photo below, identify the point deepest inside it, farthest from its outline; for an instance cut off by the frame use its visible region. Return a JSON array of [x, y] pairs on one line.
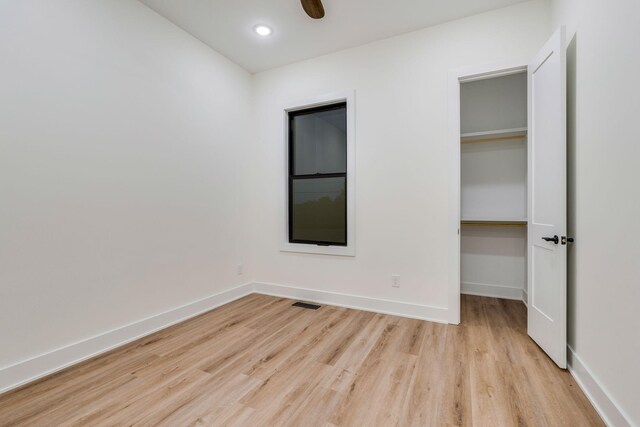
[[313, 8]]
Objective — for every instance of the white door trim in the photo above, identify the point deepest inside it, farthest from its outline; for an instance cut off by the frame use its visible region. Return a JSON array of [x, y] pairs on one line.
[[456, 76]]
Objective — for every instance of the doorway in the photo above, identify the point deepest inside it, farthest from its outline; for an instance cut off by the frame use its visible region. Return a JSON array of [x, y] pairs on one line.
[[487, 187], [488, 132]]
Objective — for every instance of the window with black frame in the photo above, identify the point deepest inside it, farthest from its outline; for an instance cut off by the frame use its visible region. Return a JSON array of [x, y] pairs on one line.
[[318, 175]]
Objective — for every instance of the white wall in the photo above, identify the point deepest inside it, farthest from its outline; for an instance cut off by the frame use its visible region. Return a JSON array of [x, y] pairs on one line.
[[493, 261], [401, 153], [119, 164], [603, 105], [493, 180], [494, 104]]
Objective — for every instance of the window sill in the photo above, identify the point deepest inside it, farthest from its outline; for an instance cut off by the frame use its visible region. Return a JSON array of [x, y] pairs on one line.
[[320, 250]]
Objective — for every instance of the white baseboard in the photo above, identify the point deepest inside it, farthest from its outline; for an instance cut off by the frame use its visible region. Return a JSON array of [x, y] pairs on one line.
[[601, 400], [494, 291], [29, 370], [40, 366], [525, 298], [396, 308]]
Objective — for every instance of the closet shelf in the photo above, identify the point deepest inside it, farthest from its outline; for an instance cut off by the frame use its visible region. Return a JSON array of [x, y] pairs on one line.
[[507, 222], [493, 135]]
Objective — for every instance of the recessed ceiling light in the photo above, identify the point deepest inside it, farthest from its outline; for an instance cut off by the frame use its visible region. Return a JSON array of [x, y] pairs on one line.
[[262, 30]]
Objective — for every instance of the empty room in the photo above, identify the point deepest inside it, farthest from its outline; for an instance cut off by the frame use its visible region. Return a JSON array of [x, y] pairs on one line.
[[326, 213]]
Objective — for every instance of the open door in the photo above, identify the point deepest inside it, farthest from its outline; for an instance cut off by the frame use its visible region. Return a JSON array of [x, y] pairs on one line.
[[547, 210]]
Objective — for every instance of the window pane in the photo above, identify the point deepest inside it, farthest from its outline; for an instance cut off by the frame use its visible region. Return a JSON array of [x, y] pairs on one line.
[[304, 145], [320, 142], [319, 210]]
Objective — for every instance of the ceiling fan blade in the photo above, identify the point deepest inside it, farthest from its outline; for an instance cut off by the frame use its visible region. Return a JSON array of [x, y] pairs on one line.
[[313, 8]]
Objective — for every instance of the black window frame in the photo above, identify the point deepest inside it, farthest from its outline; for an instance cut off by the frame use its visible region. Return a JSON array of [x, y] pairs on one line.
[[292, 176]]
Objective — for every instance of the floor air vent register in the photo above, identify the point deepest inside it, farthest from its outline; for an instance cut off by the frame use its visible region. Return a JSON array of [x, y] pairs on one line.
[[305, 305]]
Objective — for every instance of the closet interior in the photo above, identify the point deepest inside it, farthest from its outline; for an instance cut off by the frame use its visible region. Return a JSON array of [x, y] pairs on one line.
[[493, 205]]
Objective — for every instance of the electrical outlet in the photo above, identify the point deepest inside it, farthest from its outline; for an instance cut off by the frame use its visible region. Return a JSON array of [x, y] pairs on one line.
[[395, 280], [239, 270]]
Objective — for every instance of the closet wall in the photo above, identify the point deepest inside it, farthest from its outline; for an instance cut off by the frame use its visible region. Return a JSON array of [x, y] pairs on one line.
[[494, 186]]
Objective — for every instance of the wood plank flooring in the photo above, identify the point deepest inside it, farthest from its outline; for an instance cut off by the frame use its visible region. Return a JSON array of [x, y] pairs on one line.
[[260, 362]]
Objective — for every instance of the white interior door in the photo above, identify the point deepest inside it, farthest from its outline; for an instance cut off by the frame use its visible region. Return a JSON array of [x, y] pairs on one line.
[[547, 250]]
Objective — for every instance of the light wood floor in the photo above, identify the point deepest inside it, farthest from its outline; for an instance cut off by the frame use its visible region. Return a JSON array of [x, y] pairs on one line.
[[260, 362]]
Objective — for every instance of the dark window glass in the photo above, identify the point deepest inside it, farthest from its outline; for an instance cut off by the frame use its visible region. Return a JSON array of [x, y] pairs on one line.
[[320, 142], [319, 206], [318, 175]]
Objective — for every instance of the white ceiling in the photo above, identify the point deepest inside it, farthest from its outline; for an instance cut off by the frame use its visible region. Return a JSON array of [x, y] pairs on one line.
[[227, 25]]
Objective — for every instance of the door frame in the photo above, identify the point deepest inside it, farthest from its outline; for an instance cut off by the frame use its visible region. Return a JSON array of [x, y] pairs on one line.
[[457, 76]]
